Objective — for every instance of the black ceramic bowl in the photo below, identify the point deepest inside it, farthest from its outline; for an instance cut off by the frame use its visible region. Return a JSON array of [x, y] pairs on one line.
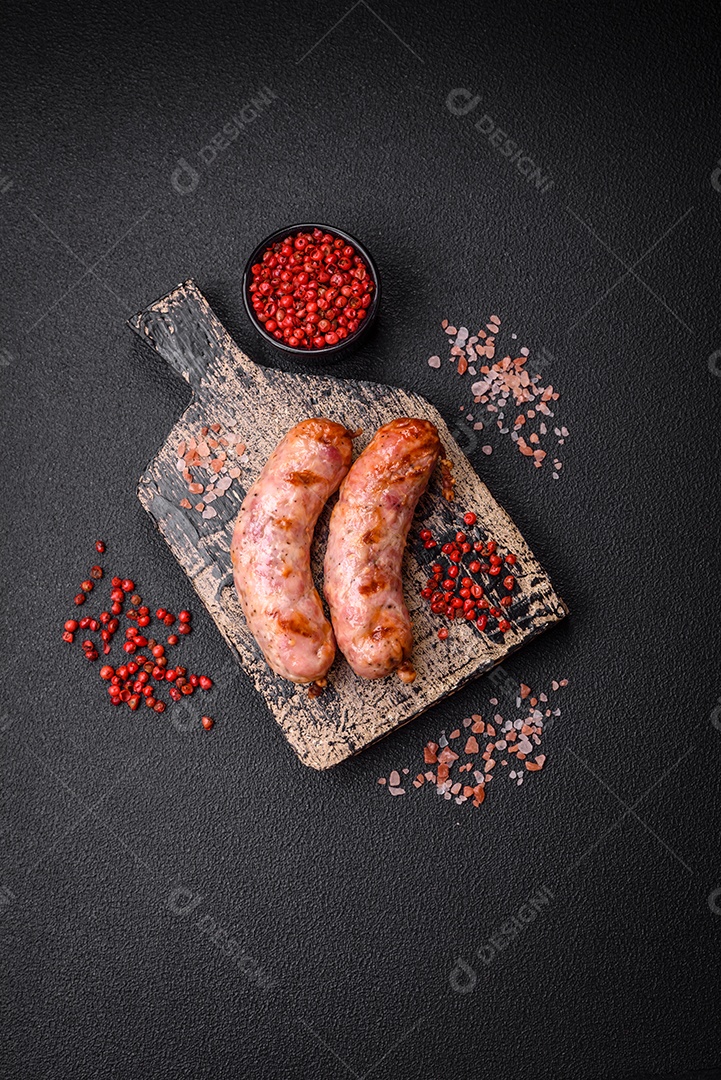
[[329, 350]]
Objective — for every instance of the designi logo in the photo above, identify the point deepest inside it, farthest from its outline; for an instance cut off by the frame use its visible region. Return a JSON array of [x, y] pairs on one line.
[[185, 177]]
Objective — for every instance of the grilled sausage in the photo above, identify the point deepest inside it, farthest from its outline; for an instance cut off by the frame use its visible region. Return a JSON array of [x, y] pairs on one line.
[[368, 530], [270, 549]]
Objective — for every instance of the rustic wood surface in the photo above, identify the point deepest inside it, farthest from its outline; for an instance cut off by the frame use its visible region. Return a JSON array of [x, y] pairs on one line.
[[259, 405]]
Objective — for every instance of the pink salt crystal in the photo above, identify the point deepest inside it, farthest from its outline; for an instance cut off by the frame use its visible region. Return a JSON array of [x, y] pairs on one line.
[[397, 790], [395, 778], [381, 780], [487, 449]]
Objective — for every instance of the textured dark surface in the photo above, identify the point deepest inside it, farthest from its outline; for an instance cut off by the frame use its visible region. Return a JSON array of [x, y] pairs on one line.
[[352, 905]]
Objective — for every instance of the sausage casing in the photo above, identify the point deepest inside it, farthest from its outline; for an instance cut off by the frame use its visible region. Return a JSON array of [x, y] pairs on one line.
[[270, 549], [367, 537]]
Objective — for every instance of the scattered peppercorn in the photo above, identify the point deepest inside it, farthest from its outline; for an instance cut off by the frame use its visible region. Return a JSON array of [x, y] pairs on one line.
[[129, 683], [458, 595]]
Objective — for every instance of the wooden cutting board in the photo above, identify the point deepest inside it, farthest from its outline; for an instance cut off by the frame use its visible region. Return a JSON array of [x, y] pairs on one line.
[[257, 405]]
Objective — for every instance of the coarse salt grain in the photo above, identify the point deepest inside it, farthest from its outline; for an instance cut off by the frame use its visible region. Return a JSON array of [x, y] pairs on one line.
[[508, 377], [448, 787]]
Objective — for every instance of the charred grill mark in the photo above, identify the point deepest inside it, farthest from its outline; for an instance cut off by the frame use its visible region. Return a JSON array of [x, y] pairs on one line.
[[296, 623], [373, 586], [304, 478], [448, 484]]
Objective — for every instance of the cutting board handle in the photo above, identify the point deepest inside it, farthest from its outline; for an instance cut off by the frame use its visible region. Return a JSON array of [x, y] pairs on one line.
[[187, 333]]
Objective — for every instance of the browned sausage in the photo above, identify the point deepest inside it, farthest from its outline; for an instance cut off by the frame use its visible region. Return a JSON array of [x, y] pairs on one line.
[[270, 549], [368, 530]]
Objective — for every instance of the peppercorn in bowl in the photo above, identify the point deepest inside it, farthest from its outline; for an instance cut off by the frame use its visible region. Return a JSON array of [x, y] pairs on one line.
[[311, 289]]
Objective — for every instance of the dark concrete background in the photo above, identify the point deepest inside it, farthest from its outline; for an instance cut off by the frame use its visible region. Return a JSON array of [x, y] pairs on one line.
[[120, 834]]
